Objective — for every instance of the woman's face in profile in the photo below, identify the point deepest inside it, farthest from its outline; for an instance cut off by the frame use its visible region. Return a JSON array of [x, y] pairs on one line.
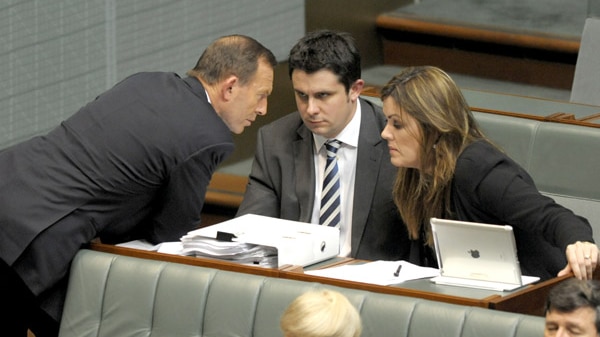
[[402, 133]]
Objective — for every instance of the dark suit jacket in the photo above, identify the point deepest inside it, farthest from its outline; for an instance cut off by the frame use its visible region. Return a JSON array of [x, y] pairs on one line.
[[135, 161], [282, 183], [489, 187]]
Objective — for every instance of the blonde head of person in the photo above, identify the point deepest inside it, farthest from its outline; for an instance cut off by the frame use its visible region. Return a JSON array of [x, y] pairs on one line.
[[321, 313]]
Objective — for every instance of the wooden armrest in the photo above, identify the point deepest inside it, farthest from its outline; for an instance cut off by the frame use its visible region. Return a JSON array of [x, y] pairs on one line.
[[560, 116], [591, 118], [453, 29]]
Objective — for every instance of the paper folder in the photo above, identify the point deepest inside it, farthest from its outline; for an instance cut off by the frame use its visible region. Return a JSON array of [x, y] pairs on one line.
[[297, 243]]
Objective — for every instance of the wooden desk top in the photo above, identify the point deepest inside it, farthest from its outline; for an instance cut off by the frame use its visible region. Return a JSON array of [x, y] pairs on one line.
[[528, 300]]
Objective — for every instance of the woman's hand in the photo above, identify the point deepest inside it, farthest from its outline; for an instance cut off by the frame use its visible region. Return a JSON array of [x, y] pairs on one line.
[[582, 259]]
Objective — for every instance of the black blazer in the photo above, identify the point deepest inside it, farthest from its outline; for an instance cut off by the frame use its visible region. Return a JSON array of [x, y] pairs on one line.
[[282, 182], [490, 187], [133, 163]]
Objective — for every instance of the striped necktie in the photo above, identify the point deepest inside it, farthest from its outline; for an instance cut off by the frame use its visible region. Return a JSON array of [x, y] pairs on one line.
[[330, 196]]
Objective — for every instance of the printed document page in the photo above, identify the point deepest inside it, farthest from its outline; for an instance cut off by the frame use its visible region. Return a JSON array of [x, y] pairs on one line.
[[377, 272], [175, 247]]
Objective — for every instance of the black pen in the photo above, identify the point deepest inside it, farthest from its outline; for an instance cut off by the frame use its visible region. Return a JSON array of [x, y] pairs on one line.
[[397, 273]]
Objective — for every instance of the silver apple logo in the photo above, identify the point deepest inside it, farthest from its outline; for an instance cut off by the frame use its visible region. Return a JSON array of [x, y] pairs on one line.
[[474, 253]]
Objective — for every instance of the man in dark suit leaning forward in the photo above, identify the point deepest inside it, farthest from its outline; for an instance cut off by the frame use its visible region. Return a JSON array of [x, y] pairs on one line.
[[288, 169], [133, 163]]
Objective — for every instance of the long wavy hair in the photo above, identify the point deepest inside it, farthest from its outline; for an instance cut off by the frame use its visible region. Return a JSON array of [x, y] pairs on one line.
[[447, 126]]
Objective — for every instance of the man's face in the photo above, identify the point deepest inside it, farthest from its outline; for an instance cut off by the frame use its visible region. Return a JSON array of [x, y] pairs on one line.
[[249, 100], [580, 322], [323, 102]]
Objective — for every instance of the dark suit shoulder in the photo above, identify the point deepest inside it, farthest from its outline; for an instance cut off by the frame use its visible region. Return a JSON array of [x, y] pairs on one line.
[[146, 75], [482, 152], [479, 158]]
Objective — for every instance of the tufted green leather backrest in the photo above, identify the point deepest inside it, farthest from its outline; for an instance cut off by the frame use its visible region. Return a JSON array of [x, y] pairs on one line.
[[514, 135], [112, 295]]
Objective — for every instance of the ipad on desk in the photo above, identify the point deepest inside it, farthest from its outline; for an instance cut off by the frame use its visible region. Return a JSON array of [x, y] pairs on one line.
[[477, 255]]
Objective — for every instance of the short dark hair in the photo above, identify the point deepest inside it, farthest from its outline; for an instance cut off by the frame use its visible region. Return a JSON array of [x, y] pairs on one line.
[[573, 294], [236, 55], [326, 49]]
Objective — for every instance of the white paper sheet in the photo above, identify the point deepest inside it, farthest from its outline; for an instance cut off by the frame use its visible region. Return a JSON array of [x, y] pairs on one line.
[[377, 272], [175, 247]]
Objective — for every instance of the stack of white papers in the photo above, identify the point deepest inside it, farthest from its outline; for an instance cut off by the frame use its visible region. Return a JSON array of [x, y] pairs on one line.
[[191, 245], [256, 240], [247, 253], [265, 241], [377, 272]]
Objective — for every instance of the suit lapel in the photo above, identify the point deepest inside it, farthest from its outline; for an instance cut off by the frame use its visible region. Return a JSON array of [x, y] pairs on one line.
[[368, 163], [305, 175]]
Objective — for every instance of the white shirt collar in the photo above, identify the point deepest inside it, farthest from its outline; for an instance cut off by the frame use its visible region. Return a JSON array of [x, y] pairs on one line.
[[349, 134], [207, 97]]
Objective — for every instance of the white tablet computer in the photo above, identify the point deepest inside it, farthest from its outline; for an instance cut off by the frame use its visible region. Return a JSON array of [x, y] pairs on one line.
[[477, 255]]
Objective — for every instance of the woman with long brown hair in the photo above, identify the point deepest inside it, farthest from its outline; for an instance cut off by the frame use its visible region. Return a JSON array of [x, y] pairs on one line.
[[447, 168]]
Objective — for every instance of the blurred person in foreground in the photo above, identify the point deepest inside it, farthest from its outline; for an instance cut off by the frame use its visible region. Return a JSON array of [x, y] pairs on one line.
[[573, 309], [321, 313]]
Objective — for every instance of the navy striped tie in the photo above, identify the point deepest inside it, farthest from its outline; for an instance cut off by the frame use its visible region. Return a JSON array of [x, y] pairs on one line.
[[330, 196]]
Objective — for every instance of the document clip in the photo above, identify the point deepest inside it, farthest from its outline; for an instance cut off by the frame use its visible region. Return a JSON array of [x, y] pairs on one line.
[[223, 236]]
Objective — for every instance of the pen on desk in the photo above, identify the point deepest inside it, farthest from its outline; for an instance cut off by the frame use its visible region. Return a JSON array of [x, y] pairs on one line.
[[397, 272]]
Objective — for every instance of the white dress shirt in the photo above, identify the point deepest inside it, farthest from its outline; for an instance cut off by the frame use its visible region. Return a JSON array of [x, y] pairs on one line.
[[346, 160]]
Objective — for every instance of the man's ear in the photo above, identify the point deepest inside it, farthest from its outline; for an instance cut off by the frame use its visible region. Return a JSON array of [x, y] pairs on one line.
[[356, 89], [227, 87]]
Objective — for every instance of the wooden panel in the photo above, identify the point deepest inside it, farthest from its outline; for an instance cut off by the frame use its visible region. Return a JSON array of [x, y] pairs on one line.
[[504, 53], [471, 32], [226, 189], [527, 301], [356, 17], [485, 64]]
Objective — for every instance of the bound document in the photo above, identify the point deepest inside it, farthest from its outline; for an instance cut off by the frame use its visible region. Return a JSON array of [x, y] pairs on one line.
[[265, 241]]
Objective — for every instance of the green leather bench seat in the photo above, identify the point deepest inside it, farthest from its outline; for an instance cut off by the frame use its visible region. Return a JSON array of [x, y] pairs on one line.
[[563, 159], [565, 165], [114, 295], [514, 135]]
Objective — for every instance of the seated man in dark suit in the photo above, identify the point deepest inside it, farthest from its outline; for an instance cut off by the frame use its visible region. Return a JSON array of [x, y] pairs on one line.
[[134, 163], [289, 169]]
